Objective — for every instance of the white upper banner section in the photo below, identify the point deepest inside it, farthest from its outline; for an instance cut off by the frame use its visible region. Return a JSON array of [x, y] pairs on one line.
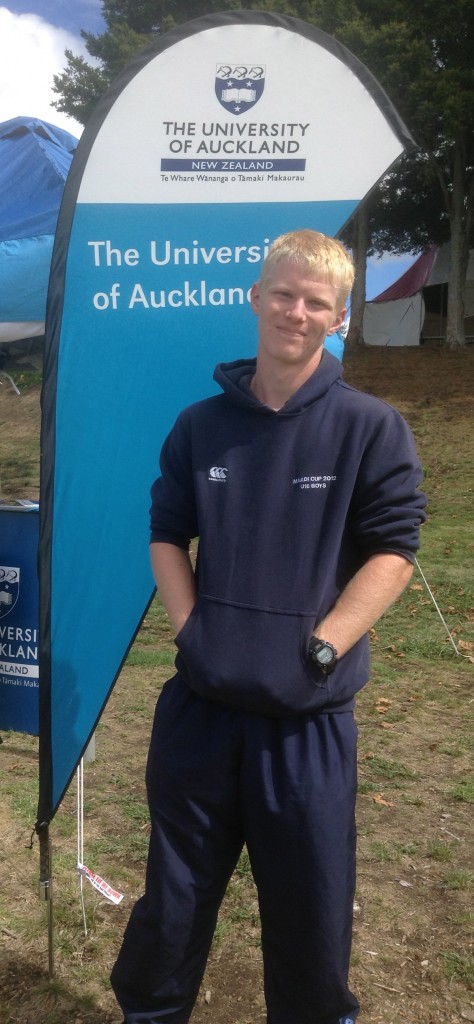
[[240, 113]]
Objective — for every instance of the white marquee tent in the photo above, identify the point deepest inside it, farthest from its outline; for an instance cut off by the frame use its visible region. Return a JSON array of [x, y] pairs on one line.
[[413, 309]]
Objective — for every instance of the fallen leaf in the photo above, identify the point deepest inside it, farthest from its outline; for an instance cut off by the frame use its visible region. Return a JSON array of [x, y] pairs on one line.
[[380, 799], [207, 997], [416, 586]]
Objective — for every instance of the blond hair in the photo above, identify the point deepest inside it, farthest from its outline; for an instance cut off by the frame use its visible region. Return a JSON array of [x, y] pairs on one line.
[[322, 255]]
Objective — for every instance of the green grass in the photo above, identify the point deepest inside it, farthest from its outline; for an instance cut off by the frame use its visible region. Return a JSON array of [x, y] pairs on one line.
[[456, 748], [458, 967], [459, 879], [464, 791], [23, 794], [20, 473], [134, 810], [143, 657], [416, 754], [386, 852], [439, 851], [365, 787], [28, 379], [385, 769]]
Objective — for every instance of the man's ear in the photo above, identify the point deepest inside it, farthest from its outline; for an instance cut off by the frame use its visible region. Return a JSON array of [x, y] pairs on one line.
[[255, 298], [338, 322]]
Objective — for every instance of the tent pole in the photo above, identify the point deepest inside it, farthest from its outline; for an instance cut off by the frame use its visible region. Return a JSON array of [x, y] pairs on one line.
[[46, 886]]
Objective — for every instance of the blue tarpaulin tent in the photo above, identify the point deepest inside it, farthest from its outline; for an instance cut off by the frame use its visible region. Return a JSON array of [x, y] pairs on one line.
[[35, 157]]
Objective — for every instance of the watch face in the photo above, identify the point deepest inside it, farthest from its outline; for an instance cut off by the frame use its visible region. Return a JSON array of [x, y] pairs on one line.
[[325, 655]]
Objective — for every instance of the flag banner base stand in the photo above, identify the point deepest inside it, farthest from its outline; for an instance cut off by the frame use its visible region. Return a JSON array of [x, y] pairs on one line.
[[46, 888]]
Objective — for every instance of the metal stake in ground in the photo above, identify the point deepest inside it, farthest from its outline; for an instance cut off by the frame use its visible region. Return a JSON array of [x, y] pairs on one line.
[[46, 885]]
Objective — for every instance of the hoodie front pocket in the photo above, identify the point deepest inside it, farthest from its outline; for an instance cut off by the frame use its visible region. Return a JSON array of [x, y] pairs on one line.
[[252, 658]]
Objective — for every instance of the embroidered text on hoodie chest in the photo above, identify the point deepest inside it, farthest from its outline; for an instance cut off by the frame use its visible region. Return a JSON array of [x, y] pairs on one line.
[[314, 482]]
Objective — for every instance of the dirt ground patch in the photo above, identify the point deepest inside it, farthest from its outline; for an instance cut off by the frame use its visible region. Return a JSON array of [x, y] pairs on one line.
[[411, 959]]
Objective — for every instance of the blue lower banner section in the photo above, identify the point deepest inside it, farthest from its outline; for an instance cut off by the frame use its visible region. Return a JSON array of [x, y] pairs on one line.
[[154, 298], [19, 673]]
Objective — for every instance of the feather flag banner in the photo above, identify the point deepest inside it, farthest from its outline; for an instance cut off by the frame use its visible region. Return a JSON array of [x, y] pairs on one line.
[[229, 131]]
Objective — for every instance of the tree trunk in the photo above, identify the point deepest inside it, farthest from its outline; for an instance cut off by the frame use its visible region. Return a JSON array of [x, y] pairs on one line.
[[459, 256], [360, 244]]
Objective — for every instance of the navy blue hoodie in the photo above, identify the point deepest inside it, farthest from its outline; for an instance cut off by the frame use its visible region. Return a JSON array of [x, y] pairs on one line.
[[287, 506]]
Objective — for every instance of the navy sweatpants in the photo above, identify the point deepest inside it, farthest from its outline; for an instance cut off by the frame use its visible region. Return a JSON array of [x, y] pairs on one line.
[[217, 778]]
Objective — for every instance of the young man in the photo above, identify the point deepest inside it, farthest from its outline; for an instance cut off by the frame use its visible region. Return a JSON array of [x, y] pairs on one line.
[[303, 493]]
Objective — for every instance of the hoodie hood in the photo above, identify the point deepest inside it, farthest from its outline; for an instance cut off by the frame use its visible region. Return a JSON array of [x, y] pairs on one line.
[[234, 379]]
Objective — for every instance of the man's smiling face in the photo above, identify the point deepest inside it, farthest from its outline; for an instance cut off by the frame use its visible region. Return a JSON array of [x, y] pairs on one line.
[[296, 310]]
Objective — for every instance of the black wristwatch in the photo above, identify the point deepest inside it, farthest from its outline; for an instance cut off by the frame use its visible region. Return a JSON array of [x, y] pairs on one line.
[[323, 654]]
